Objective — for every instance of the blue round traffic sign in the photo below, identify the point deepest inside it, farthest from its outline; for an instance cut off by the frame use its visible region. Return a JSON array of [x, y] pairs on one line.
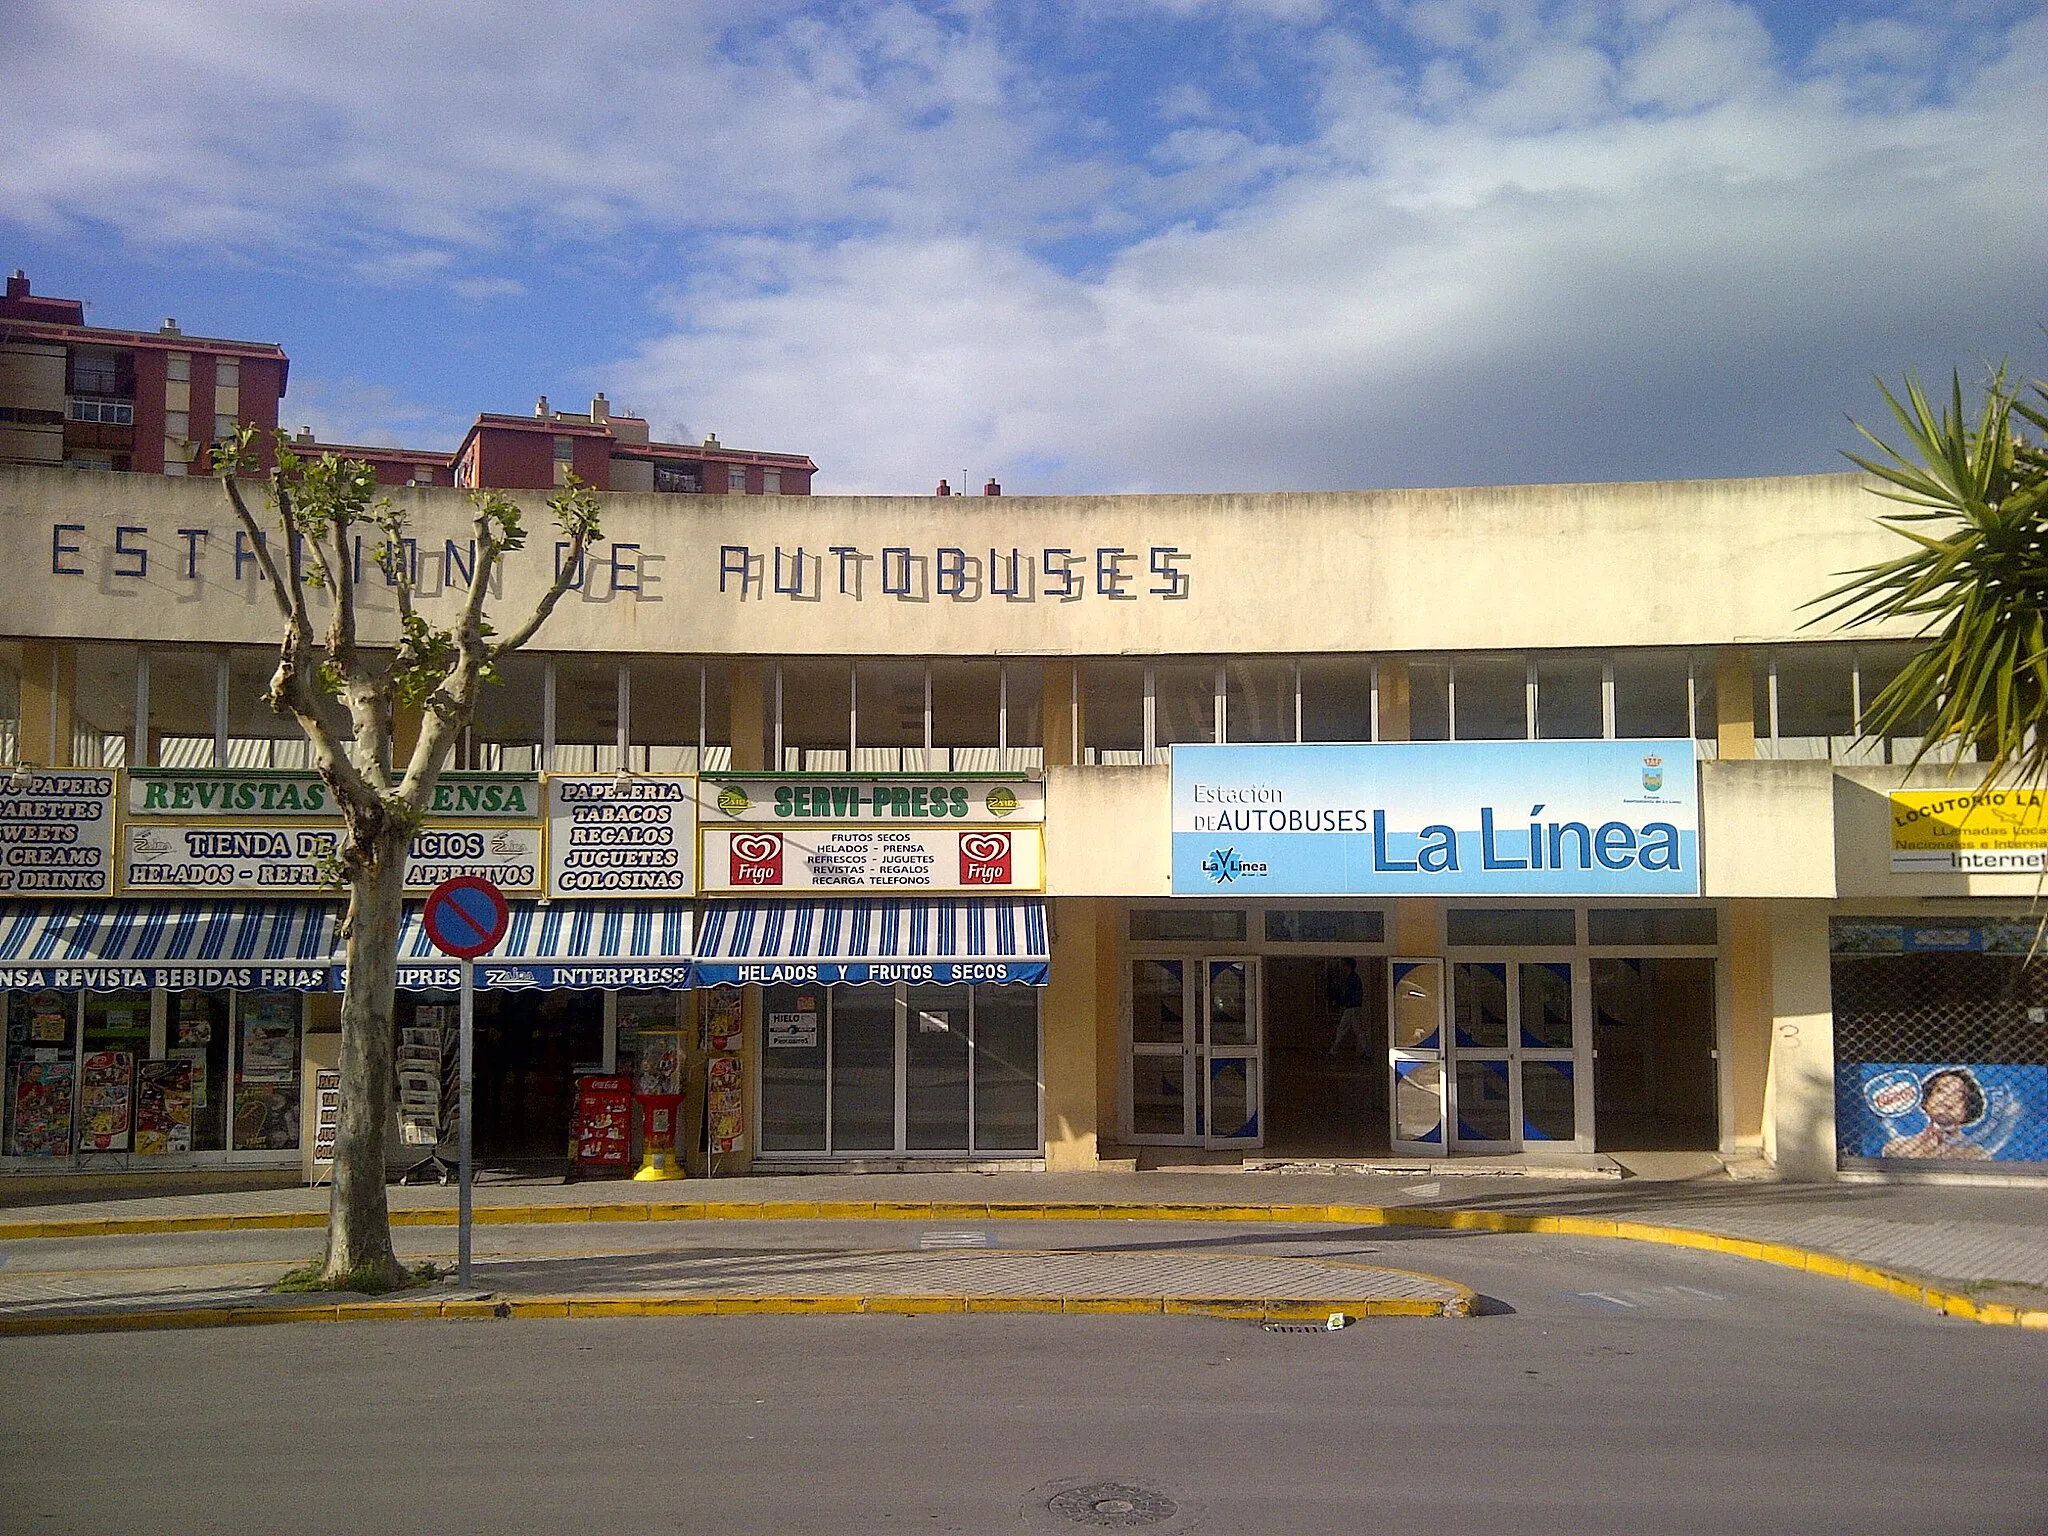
[[465, 916]]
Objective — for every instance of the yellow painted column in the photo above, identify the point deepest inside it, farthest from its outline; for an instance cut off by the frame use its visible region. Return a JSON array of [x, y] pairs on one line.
[[1069, 1018], [749, 716], [1064, 730], [1395, 721], [1747, 952], [1735, 705], [49, 678], [1799, 1089]]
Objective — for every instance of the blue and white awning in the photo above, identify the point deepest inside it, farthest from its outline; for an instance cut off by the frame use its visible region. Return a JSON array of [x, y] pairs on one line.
[[579, 945], [874, 939], [118, 946]]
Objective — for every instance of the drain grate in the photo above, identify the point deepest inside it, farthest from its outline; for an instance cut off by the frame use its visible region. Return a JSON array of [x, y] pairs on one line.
[[1112, 1506]]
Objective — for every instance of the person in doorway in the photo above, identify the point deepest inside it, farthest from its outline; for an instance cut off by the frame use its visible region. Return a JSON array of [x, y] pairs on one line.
[[1347, 992]]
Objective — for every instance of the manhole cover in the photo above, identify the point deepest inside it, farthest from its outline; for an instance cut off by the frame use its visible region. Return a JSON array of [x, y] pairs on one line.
[[1112, 1506]]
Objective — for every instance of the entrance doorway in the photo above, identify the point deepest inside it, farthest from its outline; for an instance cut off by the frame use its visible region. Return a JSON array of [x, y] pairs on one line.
[[1197, 1052], [1326, 1056], [529, 1047], [1653, 1037]]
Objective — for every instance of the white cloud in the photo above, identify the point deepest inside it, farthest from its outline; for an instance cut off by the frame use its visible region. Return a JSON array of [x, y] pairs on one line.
[[366, 415], [1495, 239]]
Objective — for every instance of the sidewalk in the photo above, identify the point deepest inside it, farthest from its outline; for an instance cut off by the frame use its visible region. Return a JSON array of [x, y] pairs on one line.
[[1995, 1238]]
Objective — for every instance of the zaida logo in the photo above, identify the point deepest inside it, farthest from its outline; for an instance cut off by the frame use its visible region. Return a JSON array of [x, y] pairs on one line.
[[1224, 866]]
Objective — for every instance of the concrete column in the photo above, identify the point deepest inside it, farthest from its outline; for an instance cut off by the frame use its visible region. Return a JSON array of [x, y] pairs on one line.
[[1799, 1092], [1418, 926], [1063, 728], [1394, 715], [1746, 948], [1735, 704], [1072, 1026], [750, 703], [49, 680]]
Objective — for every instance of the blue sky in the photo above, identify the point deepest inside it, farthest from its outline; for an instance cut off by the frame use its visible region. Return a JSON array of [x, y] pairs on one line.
[[1108, 245]]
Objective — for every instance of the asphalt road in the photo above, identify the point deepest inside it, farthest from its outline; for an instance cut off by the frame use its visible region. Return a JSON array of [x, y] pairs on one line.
[[1614, 1388]]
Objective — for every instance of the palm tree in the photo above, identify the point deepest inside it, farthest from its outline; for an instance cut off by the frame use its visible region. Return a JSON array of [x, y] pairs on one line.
[[1975, 582]]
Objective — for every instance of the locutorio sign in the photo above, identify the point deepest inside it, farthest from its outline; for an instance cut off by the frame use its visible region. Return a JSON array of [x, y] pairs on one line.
[[1480, 818]]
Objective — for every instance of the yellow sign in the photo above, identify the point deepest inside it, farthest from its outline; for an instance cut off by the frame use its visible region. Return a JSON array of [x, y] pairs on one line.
[[1986, 831]]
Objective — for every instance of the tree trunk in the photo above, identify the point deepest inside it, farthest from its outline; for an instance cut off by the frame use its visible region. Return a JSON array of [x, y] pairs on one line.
[[359, 1219]]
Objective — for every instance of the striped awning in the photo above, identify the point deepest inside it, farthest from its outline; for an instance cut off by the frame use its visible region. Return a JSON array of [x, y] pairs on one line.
[[578, 945], [874, 939], [118, 946]]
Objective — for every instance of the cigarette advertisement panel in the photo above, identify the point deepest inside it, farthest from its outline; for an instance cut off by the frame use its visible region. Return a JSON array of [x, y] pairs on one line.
[[1479, 818], [57, 834]]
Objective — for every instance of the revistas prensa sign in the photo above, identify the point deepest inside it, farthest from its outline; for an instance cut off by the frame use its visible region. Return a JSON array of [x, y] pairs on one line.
[[1478, 818]]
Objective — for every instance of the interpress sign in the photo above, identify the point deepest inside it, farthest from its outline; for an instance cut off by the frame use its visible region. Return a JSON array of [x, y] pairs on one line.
[[846, 833], [1525, 818]]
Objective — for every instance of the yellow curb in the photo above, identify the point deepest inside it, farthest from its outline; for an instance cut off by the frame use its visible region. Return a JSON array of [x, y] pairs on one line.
[[958, 1210], [686, 1210], [1112, 1306], [1014, 1304], [912, 1306]]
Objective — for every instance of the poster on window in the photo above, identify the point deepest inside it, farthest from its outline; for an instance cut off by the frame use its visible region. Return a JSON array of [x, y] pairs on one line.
[[42, 1108], [163, 1108], [726, 1105], [49, 1018], [1942, 1112], [266, 1117], [659, 1071], [106, 1101], [195, 1019], [720, 1010], [270, 1038]]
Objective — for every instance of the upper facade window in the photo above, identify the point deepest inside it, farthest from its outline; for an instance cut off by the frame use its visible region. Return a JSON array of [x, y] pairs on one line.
[[114, 413], [95, 373]]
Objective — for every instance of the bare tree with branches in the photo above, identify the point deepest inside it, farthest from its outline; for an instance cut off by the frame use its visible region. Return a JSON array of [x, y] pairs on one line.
[[346, 696]]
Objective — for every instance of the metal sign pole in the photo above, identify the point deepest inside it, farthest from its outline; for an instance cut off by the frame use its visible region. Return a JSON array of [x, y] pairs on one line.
[[466, 1050]]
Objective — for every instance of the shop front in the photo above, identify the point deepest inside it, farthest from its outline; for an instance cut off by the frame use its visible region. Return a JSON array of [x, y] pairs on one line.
[[1423, 949], [892, 980]]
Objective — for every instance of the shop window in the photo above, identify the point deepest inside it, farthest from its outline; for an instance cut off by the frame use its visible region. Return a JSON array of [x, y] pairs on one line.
[[1492, 698], [1651, 695], [1187, 925], [793, 1069], [1024, 716], [259, 737], [665, 715], [936, 1067], [1570, 698], [1429, 701], [1509, 926], [1336, 698], [196, 1031], [1183, 703], [505, 732], [586, 715], [816, 720], [42, 1073], [114, 1040], [184, 692], [863, 1069], [1113, 711], [889, 717], [967, 716], [1258, 701], [1287, 926], [1006, 1069], [266, 1102], [1650, 925]]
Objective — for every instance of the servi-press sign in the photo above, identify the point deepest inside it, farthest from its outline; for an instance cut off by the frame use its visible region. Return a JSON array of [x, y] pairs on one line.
[[1534, 818]]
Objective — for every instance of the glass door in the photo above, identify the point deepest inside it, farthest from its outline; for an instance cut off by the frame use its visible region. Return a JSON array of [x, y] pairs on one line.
[[1162, 1059], [1513, 1076], [1418, 1103], [1232, 1054]]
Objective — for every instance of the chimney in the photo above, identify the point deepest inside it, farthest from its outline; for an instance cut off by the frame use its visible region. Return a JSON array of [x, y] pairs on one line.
[[600, 408], [540, 408], [710, 442], [305, 435], [991, 489], [17, 285], [169, 327], [943, 490]]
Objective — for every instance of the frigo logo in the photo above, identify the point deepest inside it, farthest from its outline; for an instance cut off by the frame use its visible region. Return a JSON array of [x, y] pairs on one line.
[[1224, 866]]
